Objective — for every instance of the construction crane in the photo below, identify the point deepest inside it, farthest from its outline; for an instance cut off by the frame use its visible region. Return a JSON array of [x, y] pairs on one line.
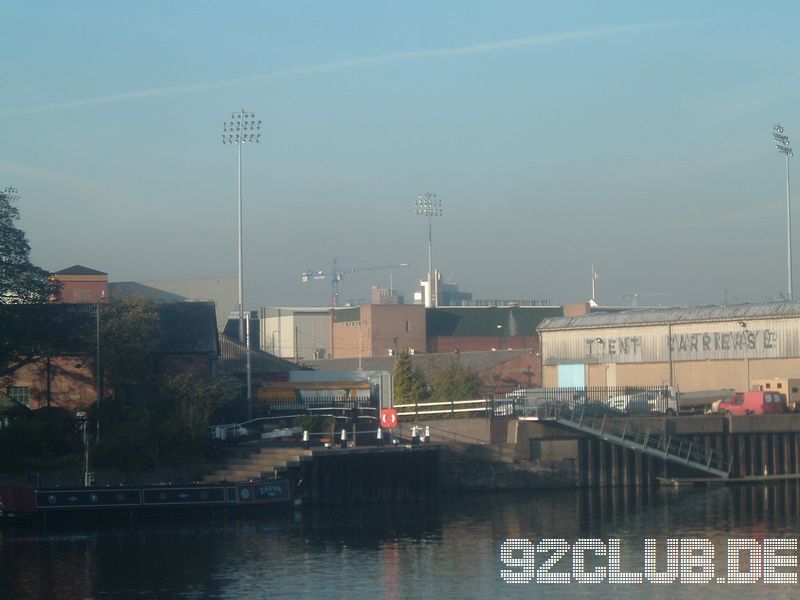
[[335, 275]]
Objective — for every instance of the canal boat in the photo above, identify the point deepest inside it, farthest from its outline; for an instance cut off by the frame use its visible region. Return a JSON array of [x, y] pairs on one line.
[[21, 501]]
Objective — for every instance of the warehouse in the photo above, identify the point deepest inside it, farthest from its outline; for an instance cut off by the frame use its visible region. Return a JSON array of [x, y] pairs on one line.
[[698, 348]]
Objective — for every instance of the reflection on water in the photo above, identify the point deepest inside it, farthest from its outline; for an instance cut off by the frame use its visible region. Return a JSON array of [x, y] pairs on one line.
[[450, 547]]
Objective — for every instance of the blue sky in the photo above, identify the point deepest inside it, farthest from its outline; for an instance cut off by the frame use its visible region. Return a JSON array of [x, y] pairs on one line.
[[632, 135]]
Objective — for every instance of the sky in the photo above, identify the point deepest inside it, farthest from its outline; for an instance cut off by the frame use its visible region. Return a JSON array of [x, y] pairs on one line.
[[635, 136]]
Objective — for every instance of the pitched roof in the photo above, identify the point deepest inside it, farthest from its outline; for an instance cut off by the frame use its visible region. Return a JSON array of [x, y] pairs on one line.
[[79, 270], [233, 359], [659, 316], [119, 290], [65, 329], [188, 327]]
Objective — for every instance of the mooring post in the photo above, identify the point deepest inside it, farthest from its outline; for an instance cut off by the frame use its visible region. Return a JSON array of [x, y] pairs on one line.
[[380, 436], [414, 435], [427, 437], [343, 443], [305, 439]]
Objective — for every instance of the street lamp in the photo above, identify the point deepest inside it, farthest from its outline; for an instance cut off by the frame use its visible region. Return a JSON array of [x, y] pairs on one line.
[[242, 129], [782, 144], [428, 205]]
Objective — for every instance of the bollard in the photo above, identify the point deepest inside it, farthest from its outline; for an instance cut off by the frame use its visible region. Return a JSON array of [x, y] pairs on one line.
[[427, 437], [343, 443], [305, 439], [414, 435], [380, 436]]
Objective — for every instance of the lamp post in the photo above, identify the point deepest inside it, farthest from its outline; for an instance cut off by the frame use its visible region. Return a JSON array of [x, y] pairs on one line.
[[242, 129], [98, 375], [782, 144], [428, 205]]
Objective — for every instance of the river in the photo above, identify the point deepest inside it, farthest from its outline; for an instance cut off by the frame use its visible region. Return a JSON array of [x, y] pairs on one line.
[[448, 549]]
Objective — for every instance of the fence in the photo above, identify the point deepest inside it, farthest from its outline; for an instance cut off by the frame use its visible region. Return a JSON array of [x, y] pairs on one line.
[[298, 404], [621, 401], [451, 407], [507, 401]]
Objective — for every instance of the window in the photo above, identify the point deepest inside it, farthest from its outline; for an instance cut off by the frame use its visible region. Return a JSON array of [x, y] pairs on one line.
[[408, 326], [21, 394]]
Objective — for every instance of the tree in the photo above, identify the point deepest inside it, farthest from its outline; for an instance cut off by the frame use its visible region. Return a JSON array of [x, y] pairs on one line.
[[409, 383], [455, 381], [20, 280], [129, 344]]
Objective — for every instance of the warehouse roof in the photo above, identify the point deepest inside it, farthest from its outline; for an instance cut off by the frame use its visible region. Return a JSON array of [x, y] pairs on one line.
[[484, 321], [659, 316]]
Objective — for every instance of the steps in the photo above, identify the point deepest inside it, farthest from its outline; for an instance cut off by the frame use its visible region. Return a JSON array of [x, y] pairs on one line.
[[262, 462]]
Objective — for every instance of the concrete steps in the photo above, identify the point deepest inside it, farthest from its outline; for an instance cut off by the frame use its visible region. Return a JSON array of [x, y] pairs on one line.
[[263, 462]]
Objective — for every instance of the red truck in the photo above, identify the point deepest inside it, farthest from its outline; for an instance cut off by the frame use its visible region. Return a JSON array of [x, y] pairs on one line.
[[754, 403]]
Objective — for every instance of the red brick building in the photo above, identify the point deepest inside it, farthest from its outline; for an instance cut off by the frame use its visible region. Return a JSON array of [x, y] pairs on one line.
[[81, 284], [377, 330]]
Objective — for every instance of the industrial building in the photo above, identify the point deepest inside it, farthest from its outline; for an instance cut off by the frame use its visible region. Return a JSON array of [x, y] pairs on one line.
[[700, 348]]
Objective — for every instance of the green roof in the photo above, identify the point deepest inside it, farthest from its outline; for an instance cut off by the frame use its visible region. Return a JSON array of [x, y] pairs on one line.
[[484, 321]]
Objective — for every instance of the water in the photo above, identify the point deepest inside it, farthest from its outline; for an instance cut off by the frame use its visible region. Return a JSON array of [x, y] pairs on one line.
[[450, 549]]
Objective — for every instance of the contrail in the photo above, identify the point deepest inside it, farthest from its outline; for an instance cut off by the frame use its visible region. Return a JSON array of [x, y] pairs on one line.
[[484, 48]]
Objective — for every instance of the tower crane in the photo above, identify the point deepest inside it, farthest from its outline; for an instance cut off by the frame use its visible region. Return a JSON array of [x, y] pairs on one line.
[[335, 275]]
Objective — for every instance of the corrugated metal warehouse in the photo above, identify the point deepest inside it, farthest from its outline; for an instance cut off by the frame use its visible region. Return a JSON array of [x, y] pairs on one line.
[[701, 348]]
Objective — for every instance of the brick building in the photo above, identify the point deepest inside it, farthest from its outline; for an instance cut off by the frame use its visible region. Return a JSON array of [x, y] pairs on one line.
[[81, 284], [377, 330]]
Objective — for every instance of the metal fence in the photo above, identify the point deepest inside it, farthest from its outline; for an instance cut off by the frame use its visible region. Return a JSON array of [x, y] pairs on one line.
[[508, 401], [298, 404], [621, 401]]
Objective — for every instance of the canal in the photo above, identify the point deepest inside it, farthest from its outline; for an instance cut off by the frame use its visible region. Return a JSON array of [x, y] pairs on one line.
[[450, 548]]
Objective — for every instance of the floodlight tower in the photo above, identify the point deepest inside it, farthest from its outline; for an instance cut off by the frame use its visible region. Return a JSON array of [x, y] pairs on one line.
[[782, 144], [242, 129], [428, 205]]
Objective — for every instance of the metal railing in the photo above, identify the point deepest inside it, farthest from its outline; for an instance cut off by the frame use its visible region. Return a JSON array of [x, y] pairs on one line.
[[448, 407], [298, 404], [628, 400], [636, 436]]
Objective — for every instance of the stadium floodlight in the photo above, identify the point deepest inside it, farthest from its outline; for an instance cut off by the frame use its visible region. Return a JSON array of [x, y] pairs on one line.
[[234, 132], [784, 147], [429, 205]]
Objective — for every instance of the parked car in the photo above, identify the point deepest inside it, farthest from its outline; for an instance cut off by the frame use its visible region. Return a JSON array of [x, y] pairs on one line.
[[645, 402], [753, 403]]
